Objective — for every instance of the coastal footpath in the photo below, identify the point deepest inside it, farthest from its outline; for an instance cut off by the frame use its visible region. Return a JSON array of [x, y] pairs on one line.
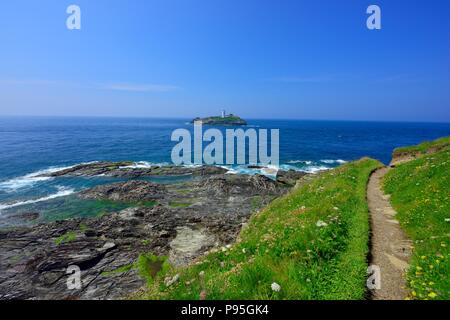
[[418, 189], [318, 241], [224, 236]]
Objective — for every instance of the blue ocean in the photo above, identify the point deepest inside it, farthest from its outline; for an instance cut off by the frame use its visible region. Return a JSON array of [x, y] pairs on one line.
[[30, 146]]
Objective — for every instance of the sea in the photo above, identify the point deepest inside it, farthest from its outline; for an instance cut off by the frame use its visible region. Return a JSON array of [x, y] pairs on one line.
[[32, 146]]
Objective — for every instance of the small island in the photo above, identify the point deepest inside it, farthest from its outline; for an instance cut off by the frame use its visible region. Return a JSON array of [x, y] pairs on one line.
[[223, 120]]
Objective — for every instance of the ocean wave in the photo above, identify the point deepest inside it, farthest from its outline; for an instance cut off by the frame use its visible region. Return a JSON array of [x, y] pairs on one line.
[[29, 179], [272, 171], [308, 169], [315, 169], [139, 165], [62, 192], [192, 165], [338, 161], [269, 171], [307, 162]]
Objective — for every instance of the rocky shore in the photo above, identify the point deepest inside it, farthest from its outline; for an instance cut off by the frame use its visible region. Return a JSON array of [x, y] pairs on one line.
[[128, 169], [181, 221]]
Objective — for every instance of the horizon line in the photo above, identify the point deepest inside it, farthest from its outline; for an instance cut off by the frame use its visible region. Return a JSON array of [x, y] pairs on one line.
[[250, 118]]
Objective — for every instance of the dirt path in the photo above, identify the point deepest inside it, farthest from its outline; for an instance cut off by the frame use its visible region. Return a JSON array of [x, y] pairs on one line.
[[390, 247]]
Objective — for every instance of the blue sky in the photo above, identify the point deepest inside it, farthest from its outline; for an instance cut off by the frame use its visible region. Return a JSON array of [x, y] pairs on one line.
[[259, 59]]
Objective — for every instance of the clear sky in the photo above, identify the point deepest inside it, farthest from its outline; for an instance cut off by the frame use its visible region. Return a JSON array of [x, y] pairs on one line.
[[299, 59]]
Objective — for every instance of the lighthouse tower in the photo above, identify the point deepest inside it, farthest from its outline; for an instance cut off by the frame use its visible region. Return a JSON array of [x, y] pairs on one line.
[[223, 113]]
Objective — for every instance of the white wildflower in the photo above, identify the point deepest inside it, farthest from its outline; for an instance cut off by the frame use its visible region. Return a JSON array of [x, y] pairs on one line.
[[321, 224], [276, 287], [168, 281]]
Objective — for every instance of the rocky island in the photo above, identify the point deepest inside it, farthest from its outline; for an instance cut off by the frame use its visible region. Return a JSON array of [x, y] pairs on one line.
[[223, 120]]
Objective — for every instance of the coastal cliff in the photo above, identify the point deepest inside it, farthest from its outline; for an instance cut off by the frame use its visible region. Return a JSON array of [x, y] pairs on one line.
[[405, 154]]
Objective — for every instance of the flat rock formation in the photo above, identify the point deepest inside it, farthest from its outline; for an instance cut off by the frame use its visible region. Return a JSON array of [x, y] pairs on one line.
[[132, 170], [186, 220], [134, 190]]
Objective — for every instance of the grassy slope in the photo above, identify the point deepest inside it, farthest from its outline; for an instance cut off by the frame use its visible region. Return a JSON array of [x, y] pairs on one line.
[[420, 194], [425, 147], [284, 244]]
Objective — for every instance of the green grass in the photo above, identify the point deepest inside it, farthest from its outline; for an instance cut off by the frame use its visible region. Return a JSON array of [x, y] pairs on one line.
[[65, 238], [425, 147], [151, 266], [420, 193], [225, 119], [284, 244], [119, 270], [219, 119], [183, 191], [148, 265], [179, 204]]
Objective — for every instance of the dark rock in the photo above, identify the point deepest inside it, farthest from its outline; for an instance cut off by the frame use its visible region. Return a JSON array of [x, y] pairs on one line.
[[34, 260], [255, 167], [129, 170], [27, 216], [290, 177], [128, 191], [238, 184]]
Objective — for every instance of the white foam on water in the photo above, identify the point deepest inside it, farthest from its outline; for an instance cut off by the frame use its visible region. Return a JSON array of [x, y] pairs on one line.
[[193, 165], [271, 171], [300, 161], [339, 161], [315, 169], [62, 192], [139, 165], [30, 179]]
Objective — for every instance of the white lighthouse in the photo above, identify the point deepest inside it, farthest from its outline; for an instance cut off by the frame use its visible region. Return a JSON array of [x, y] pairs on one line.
[[223, 113]]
